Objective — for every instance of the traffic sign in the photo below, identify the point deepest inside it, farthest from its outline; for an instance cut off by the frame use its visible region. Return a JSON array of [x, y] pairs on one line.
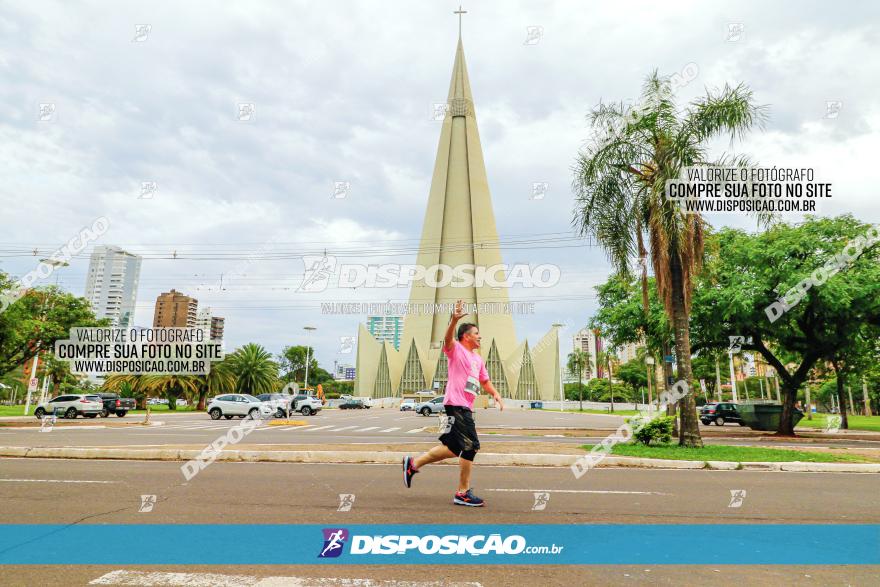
[[32, 384]]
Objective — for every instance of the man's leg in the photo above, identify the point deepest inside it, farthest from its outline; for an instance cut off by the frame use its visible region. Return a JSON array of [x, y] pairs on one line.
[[438, 453], [464, 476]]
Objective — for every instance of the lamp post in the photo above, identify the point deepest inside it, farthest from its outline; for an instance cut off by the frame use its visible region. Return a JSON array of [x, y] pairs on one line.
[[308, 329]]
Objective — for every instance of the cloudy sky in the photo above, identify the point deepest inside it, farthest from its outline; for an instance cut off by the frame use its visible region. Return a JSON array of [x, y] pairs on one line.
[[343, 91]]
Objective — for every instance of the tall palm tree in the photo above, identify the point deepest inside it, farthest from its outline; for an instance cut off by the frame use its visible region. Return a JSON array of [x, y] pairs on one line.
[[578, 362], [621, 199], [255, 371], [605, 357], [220, 379]]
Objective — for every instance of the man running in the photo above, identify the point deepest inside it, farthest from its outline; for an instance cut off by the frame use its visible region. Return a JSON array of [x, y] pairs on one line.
[[467, 373]]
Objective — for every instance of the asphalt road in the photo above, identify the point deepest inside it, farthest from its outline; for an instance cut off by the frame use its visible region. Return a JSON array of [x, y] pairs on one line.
[[101, 492], [379, 426]]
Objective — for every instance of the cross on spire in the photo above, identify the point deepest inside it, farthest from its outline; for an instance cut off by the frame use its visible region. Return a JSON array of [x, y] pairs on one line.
[[459, 12]]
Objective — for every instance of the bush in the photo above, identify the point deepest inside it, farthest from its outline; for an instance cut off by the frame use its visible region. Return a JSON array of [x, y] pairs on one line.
[[658, 429]]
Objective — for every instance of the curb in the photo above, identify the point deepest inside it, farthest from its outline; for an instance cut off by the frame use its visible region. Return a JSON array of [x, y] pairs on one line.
[[354, 457]]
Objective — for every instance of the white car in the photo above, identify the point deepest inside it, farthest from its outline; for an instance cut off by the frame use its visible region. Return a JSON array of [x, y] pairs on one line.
[[71, 406], [279, 402], [238, 404], [306, 405]]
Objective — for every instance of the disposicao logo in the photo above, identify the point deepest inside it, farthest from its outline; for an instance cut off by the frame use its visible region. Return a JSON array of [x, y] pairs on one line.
[[334, 540]]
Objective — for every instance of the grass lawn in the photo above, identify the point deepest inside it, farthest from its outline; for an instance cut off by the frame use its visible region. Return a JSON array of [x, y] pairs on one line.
[[720, 452], [616, 412], [871, 423], [14, 410], [19, 410]]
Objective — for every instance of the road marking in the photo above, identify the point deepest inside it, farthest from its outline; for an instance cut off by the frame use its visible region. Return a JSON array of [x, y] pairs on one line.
[[341, 429], [414, 430], [580, 491], [52, 481], [322, 427], [365, 429], [154, 578], [390, 429]]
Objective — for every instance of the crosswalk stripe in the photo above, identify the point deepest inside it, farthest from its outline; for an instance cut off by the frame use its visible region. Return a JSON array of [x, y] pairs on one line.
[[370, 428], [321, 428], [341, 429], [413, 431], [390, 429]]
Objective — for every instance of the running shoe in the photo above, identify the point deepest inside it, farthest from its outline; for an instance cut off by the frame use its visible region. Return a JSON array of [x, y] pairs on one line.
[[467, 498], [408, 471]]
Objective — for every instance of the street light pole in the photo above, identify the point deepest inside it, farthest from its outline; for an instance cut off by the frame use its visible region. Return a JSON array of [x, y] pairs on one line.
[[308, 329]]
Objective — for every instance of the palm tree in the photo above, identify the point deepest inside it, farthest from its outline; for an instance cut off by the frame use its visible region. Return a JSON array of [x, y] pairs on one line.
[[170, 386], [254, 370], [621, 199], [127, 386], [220, 379], [605, 357], [578, 362]]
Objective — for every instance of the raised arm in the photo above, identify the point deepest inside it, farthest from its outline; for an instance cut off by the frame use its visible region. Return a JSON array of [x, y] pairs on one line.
[[457, 314]]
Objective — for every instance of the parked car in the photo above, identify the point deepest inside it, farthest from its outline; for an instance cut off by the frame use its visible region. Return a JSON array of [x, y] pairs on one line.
[[407, 405], [113, 404], [237, 404], [720, 413], [279, 402], [354, 404], [432, 406], [306, 405], [71, 406]]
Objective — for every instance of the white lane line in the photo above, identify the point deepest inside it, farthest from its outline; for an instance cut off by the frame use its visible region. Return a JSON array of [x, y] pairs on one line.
[[580, 491], [322, 427], [155, 579], [341, 429], [53, 481], [390, 429], [369, 428], [414, 430]]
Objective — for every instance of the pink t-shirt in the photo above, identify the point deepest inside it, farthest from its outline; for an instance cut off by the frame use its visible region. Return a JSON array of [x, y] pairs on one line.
[[466, 372]]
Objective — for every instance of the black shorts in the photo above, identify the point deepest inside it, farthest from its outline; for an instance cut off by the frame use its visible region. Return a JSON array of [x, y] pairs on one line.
[[462, 435]]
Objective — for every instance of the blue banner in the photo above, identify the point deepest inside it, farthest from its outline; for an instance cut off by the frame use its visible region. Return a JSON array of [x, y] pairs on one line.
[[525, 544]]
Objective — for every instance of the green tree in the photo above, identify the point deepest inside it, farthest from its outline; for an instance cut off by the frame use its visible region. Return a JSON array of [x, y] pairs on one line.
[[579, 363], [255, 371], [292, 361], [220, 379], [36, 320], [633, 374], [746, 273], [621, 198]]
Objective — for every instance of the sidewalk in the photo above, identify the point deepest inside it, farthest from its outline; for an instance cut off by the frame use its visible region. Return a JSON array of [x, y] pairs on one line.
[[503, 454]]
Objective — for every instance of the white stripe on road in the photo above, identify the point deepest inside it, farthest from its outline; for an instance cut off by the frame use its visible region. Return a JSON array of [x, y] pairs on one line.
[[322, 427], [365, 429], [341, 429], [390, 429], [53, 481], [581, 491], [416, 430], [149, 579]]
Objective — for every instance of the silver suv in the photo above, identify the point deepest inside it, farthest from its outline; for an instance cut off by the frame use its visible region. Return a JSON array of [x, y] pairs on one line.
[[305, 405], [71, 406], [432, 406]]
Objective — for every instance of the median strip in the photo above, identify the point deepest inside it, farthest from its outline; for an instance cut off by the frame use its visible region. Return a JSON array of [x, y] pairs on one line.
[[394, 458]]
